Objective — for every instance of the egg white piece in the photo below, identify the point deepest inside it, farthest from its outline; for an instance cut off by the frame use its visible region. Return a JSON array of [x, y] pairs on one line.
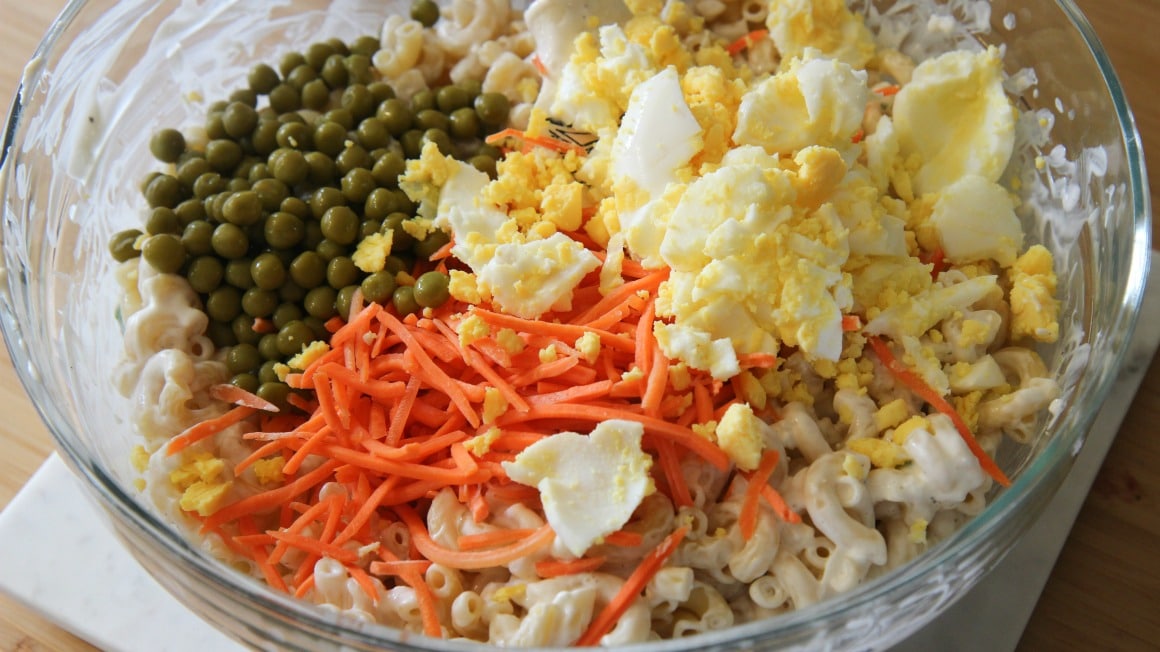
[[956, 117], [527, 279], [471, 221], [975, 220], [589, 484]]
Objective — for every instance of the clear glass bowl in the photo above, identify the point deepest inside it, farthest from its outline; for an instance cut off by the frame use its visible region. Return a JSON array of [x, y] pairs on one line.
[[109, 73]]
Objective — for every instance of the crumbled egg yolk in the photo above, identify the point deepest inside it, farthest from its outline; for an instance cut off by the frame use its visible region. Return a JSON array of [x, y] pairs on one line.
[[197, 480], [826, 25], [917, 532], [494, 404], [479, 445], [547, 354], [309, 354], [883, 453], [910, 425], [1034, 308], [269, 470], [891, 414], [739, 435], [588, 345], [472, 329], [371, 253], [510, 341]]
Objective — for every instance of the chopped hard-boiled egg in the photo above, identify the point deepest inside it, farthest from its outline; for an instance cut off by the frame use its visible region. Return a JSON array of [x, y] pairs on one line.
[[812, 101], [1034, 308], [827, 25], [589, 484], [739, 434], [975, 220], [955, 116]]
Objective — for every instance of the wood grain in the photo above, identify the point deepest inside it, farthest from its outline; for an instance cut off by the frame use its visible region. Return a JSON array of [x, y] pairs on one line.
[[1101, 595]]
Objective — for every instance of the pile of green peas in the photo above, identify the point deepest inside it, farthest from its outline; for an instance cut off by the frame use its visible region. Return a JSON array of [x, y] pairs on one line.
[[298, 168]]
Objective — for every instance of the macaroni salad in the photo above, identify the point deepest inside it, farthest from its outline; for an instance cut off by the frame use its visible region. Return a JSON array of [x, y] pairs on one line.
[[726, 314]]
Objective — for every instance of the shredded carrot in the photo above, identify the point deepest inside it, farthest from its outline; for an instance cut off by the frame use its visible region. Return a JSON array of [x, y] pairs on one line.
[[550, 568], [238, 396], [624, 538], [747, 519], [931, 396], [887, 91], [777, 502], [207, 429], [492, 538], [858, 136], [541, 538], [749, 39], [851, 323], [310, 544], [399, 567], [604, 621], [539, 64], [541, 141]]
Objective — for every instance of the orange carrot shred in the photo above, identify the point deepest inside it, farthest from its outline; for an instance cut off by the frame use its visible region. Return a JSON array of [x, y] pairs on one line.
[[631, 588], [745, 41], [928, 394], [747, 519], [207, 429], [238, 396], [550, 568], [541, 538], [492, 538]]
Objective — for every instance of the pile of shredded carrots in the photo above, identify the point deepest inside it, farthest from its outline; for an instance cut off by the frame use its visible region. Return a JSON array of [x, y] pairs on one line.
[[394, 402]]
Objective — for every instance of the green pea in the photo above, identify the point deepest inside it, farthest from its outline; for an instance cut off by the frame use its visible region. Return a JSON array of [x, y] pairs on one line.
[[230, 241], [164, 190], [259, 172], [308, 269], [372, 134], [257, 302], [239, 119], [426, 12], [493, 108], [224, 304], [289, 166], [262, 79], [334, 71], [441, 140], [293, 116], [268, 369], [189, 211], [431, 289], [423, 100], [295, 206], [315, 95], [357, 99], [341, 272], [400, 240], [450, 98], [483, 163], [324, 199], [412, 141], [163, 220], [323, 171], [340, 224], [464, 123], [489, 150], [243, 328], [243, 358], [395, 115], [121, 245], [268, 347], [268, 271], [473, 87], [368, 228], [301, 76], [293, 337], [342, 116], [395, 264], [166, 145], [247, 382], [319, 302], [379, 287], [365, 45], [164, 252], [197, 238], [434, 241], [388, 168], [237, 273], [381, 91], [404, 300], [205, 273], [243, 208], [357, 185], [329, 249], [431, 119], [271, 193], [318, 326], [208, 184], [284, 230], [245, 96], [294, 135], [329, 137], [265, 137], [285, 98], [237, 185], [342, 303], [353, 156], [220, 334], [290, 61], [274, 392], [189, 170], [317, 53]]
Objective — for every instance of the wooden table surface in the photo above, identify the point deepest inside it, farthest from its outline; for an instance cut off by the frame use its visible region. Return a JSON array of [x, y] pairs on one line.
[[1102, 594]]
